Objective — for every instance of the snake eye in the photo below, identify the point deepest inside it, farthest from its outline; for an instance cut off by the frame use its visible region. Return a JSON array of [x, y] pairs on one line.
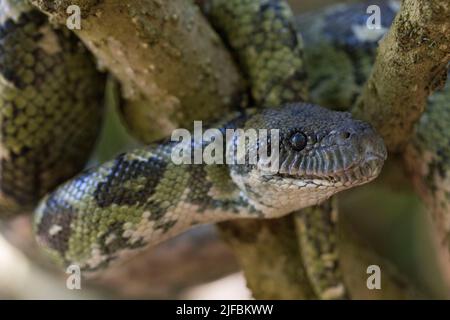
[[298, 141]]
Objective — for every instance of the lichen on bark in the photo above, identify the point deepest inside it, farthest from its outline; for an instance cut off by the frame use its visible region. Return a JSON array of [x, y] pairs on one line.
[[169, 77], [411, 63]]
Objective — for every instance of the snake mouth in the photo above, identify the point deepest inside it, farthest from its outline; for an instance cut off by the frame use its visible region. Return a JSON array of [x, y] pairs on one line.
[[358, 173]]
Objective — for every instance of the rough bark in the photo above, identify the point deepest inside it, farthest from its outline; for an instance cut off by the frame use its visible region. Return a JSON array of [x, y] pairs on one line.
[[148, 44], [269, 255], [411, 64]]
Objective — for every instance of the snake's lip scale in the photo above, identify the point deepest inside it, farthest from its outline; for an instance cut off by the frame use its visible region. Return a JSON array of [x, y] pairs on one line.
[[369, 168], [366, 169], [357, 174], [375, 155]]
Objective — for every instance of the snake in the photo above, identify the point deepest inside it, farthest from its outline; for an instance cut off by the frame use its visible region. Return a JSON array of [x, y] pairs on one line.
[[141, 197], [51, 108], [339, 53]]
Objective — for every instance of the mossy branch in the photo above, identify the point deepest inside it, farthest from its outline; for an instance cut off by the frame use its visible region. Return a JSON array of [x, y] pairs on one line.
[[169, 77], [411, 63]]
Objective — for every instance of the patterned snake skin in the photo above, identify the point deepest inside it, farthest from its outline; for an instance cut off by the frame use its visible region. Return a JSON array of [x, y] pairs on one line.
[[141, 197], [50, 101]]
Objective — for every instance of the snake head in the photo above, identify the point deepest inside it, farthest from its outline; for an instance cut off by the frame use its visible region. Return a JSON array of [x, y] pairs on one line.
[[317, 153]]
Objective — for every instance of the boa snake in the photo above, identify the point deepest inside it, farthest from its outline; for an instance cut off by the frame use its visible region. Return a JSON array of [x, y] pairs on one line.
[[132, 201]]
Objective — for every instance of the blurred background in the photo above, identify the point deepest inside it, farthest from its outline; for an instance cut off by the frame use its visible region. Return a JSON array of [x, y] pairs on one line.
[[391, 219]]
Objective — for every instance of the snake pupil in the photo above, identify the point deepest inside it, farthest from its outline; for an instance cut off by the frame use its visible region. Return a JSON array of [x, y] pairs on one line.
[[298, 141]]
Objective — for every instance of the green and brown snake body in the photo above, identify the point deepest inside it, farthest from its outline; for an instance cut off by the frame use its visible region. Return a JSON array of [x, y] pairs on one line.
[[50, 106], [141, 197]]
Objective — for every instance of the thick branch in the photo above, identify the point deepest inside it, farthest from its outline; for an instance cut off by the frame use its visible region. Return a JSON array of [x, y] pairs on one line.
[[411, 64], [168, 74], [269, 255]]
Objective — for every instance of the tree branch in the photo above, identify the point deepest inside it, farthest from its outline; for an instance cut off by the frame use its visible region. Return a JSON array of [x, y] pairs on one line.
[[427, 159], [411, 64], [269, 255]]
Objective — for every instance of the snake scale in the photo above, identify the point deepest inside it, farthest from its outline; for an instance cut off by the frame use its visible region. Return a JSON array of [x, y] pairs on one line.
[[141, 198], [49, 91]]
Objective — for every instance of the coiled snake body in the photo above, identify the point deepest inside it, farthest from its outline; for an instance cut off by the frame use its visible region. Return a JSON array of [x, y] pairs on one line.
[[142, 197]]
